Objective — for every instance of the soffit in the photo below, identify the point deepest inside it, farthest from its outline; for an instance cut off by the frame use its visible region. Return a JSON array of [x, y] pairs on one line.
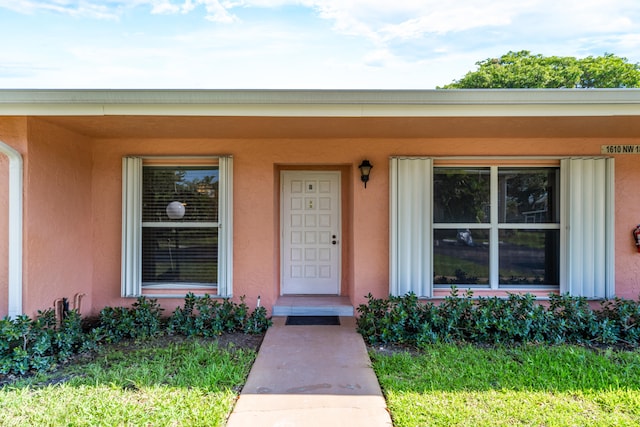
[[107, 127]]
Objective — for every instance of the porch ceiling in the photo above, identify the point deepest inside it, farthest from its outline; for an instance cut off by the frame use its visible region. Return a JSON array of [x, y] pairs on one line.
[[107, 127]]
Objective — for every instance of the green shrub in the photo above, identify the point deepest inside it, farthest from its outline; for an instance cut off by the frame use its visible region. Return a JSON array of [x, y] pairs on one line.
[[37, 344], [492, 320], [208, 317], [141, 321], [619, 319]]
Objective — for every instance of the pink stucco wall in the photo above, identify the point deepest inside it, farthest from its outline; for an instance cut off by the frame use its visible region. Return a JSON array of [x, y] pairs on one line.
[[256, 208], [57, 214], [73, 206], [256, 258], [627, 217]]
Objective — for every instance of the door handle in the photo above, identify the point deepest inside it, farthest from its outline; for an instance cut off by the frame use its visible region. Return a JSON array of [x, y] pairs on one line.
[[335, 240]]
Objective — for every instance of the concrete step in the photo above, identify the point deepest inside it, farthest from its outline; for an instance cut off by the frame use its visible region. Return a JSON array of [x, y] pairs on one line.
[[313, 306]]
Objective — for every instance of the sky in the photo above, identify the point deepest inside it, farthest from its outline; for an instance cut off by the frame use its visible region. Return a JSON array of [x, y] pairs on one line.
[[293, 44]]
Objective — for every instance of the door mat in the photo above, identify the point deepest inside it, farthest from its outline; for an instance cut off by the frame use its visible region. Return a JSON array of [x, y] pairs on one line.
[[312, 320]]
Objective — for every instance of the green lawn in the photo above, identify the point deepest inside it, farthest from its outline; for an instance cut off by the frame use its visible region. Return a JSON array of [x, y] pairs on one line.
[[187, 383], [192, 382], [448, 385]]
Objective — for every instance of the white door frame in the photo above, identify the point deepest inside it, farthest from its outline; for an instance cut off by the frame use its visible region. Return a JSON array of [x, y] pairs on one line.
[[337, 262]]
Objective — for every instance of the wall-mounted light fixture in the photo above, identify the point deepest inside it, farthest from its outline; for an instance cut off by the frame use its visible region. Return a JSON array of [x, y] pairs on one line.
[[365, 170]]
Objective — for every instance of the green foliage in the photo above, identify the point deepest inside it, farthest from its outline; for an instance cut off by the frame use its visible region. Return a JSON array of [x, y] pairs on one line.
[[525, 70], [208, 317], [140, 321], [492, 320], [37, 344]]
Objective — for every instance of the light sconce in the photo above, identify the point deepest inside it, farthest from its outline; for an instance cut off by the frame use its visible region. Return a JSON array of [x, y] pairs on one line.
[[365, 170], [175, 210]]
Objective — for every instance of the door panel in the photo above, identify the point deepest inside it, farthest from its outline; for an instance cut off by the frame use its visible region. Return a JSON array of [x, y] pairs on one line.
[[310, 232]]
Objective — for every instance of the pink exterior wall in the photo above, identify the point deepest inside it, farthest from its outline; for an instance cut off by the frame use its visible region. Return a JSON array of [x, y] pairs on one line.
[[256, 207], [627, 217], [73, 206], [57, 217]]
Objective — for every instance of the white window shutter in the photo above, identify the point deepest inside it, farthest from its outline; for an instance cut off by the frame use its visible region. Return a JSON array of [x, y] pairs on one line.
[[411, 234], [588, 227], [225, 232], [131, 226]]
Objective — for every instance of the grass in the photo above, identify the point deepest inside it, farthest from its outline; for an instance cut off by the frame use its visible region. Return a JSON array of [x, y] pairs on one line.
[[187, 383], [446, 266], [448, 385], [195, 383]]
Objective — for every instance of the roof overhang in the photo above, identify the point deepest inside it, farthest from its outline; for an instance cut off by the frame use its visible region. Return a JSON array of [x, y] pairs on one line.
[[323, 103]]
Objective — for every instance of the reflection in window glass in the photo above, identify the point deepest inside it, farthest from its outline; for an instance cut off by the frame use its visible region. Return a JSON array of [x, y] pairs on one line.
[[461, 195], [195, 187], [529, 257], [184, 250], [180, 255], [461, 256], [528, 195]]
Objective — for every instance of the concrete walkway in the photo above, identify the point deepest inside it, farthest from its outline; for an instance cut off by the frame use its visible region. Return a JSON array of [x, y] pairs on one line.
[[311, 376]]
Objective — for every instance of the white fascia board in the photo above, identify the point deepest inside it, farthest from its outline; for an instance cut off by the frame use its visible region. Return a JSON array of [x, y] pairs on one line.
[[323, 103]]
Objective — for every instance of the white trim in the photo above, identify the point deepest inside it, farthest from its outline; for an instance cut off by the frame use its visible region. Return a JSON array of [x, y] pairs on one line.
[[494, 233], [183, 224], [324, 103], [15, 229], [131, 282]]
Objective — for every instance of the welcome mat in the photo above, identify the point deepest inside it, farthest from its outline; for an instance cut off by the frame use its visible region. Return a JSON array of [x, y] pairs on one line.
[[312, 321]]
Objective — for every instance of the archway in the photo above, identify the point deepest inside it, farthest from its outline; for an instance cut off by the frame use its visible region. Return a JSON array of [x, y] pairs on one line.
[[15, 201]]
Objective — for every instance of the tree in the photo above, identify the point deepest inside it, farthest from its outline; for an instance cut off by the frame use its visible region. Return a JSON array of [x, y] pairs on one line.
[[524, 70]]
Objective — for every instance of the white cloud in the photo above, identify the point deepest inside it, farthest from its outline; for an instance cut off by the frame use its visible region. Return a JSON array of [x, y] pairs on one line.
[[90, 9], [371, 43], [378, 19]]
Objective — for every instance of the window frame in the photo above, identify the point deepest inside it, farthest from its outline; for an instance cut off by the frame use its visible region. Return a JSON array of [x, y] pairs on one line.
[[132, 226], [493, 226], [587, 222]]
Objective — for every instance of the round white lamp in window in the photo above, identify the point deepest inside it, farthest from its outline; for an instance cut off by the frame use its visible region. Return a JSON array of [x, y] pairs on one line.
[[175, 210]]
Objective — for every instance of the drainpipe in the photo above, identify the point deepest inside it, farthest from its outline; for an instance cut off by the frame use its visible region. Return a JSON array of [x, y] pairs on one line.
[[15, 228]]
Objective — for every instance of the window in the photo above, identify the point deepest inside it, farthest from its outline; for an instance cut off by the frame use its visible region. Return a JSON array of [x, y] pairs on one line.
[[517, 224], [176, 226], [496, 227]]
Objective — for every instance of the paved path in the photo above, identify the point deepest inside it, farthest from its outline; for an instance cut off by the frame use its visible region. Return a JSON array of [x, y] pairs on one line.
[[311, 376]]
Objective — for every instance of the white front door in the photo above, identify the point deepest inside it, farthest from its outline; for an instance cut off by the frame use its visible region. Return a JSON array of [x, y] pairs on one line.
[[310, 221]]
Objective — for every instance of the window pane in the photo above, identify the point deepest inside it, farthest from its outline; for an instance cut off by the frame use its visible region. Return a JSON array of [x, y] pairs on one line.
[[180, 255], [529, 257], [461, 195], [528, 195], [195, 188], [460, 257]]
